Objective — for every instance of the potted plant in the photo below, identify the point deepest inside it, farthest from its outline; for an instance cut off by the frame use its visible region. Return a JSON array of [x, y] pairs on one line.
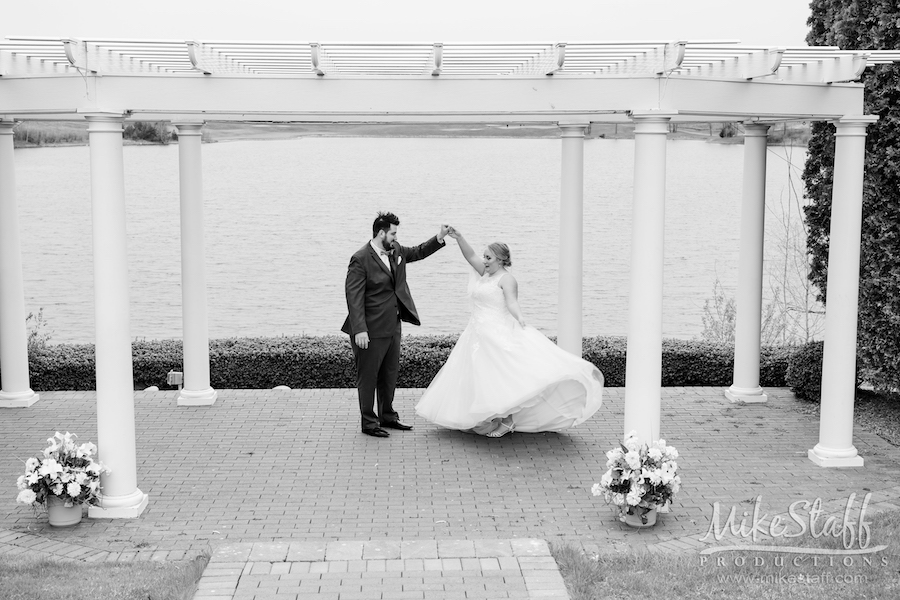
[[640, 480], [63, 479]]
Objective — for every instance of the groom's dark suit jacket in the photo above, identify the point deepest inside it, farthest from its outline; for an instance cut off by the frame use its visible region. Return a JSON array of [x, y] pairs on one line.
[[375, 296]]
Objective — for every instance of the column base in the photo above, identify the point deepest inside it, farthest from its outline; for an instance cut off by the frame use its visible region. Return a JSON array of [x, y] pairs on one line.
[[120, 507], [205, 397], [825, 457], [746, 395], [18, 399]]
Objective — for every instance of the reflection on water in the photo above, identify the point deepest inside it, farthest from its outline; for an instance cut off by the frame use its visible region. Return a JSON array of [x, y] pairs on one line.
[[283, 217]]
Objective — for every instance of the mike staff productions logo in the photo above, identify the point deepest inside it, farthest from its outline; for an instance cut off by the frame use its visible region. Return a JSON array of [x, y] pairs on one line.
[[803, 518]]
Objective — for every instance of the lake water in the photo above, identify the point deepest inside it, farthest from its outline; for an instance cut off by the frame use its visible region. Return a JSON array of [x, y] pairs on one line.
[[283, 217]]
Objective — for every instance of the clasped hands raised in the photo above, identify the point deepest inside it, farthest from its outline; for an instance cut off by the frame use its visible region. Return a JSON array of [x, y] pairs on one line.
[[448, 230]]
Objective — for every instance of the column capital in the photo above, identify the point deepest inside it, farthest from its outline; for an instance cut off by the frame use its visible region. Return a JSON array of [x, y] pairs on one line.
[[189, 127], [570, 129], [105, 122], [651, 121], [6, 127], [756, 129], [854, 124]]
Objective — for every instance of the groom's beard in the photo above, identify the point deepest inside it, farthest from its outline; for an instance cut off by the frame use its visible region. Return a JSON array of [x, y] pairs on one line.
[[387, 247]]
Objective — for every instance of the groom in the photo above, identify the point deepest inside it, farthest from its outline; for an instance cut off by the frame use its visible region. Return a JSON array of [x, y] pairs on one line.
[[378, 298]]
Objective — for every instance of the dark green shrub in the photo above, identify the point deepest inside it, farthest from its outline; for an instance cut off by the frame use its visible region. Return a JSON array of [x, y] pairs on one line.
[[327, 362], [773, 364], [63, 367], [804, 372], [421, 357], [608, 355], [145, 131], [151, 362], [687, 362], [696, 363]]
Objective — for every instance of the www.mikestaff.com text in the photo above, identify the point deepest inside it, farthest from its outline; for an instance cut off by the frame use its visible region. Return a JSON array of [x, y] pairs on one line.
[[823, 579]]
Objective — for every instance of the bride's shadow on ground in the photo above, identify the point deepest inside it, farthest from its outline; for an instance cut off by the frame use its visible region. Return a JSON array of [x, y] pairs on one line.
[[513, 443]]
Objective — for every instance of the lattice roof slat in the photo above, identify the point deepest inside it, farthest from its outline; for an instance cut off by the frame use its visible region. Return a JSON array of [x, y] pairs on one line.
[[723, 59]]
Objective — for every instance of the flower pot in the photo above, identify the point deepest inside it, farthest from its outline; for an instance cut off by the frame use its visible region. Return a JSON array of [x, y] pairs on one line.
[[60, 515], [634, 520]]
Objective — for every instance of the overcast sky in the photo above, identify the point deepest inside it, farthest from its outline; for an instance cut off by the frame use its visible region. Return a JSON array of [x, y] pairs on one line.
[[769, 22]]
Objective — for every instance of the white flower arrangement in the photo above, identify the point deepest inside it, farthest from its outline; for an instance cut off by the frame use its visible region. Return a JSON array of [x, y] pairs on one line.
[[65, 470], [640, 477]]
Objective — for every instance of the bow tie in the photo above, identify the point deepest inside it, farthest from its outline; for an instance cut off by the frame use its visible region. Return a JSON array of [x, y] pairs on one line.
[[387, 252]]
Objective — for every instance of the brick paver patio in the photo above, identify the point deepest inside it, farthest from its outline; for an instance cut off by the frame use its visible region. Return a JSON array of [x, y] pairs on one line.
[[264, 478]]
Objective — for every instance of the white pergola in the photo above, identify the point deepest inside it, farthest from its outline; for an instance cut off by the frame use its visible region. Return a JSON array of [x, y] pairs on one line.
[[568, 85]]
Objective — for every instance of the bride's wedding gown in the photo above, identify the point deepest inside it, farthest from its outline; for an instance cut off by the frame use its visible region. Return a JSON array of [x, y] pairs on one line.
[[497, 368]]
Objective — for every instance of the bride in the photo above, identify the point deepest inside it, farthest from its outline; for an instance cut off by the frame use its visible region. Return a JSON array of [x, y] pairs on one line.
[[503, 375]]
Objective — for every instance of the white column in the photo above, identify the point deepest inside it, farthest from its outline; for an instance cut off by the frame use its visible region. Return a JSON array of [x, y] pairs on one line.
[[571, 239], [835, 447], [115, 381], [745, 385], [643, 364], [15, 386], [196, 390]]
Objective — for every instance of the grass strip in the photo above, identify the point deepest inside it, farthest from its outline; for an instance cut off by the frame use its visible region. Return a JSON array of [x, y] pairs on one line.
[[742, 574], [43, 578]]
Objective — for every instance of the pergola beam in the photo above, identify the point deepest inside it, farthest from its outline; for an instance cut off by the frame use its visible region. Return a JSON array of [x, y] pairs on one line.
[[384, 100]]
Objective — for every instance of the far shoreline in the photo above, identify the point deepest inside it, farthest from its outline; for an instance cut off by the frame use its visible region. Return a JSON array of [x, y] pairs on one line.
[[65, 134], [167, 340], [736, 140]]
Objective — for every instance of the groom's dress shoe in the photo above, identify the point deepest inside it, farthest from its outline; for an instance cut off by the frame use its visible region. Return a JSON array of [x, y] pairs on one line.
[[397, 425], [376, 432]]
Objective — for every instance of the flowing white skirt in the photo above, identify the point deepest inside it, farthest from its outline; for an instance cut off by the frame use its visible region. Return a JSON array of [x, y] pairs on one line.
[[499, 370]]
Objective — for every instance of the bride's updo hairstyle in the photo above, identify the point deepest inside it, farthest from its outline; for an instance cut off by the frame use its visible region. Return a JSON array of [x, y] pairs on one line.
[[501, 251]]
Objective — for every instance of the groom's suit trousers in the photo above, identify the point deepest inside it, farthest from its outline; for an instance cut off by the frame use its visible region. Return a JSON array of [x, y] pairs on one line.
[[377, 368]]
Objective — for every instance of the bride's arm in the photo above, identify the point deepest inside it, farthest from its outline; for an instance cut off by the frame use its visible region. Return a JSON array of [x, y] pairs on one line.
[[510, 288], [467, 251]]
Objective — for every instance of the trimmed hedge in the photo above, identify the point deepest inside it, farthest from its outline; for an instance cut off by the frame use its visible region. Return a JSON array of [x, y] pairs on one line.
[[773, 363], [327, 362], [63, 367], [686, 362], [804, 372]]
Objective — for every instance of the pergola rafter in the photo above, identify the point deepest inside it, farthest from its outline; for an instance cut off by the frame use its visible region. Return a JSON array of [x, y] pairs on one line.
[[724, 60]]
